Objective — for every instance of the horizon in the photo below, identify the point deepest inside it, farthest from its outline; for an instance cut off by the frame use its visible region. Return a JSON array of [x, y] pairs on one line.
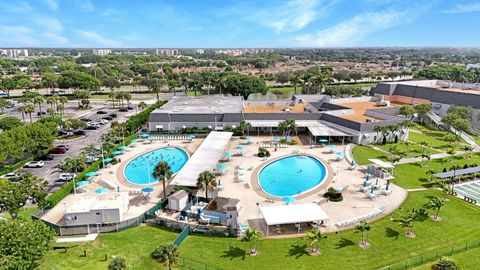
[[302, 24]]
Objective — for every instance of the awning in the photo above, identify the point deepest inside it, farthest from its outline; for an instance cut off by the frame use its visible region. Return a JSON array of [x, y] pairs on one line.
[[457, 172], [293, 213], [382, 164], [204, 159], [326, 131]]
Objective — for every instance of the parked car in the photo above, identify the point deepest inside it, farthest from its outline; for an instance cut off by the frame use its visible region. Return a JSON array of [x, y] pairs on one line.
[[108, 118], [64, 146], [130, 108], [102, 121], [10, 176], [80, 132], [66, 176], [101, 112], [58, 150], [86, 120], [35, 164], [92, 127], [123, 110], [10, 105], [92, 159], [41, 113], [113, 115], [46, 157], [65, 133]]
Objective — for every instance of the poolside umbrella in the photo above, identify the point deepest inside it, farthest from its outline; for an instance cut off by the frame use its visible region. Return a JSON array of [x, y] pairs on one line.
[[288, 199], [91, 174], [123, 147], [82, 183], [147, 189], [339, 153], [144, 135], [101, 190], [277, 139], [134, 140], [107, 160], [222, 167], [249, 138], [228, 154], [191, 136], [117, 153], [323, 140], [332, 146]]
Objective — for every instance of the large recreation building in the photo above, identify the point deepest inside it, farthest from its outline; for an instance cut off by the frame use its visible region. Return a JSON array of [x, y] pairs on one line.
[[319, 116]]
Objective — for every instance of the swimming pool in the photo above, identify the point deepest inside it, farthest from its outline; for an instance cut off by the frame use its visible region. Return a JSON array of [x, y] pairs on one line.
[[137, 170], [291, 176]]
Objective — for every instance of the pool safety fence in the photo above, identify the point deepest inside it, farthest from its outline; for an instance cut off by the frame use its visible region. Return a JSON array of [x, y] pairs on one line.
[[64, 230], [187, 263], [433, 256], [185, 232]]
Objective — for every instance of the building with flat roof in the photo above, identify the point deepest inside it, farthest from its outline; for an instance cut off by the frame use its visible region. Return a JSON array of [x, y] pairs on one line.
[[14, 53], [101, 52], [318, 116], [441, 94], [167, 52]]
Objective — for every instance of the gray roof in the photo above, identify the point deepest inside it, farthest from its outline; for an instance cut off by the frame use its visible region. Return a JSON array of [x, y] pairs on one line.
[[213, 104], [179, 195], [222, 204], [158, 117], [458, 172], [282, 116]]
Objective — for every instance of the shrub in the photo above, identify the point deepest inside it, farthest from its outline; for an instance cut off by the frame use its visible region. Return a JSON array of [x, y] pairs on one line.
[[445, 264], [333, 195], [263, 152], [293, 142], [118, 263]]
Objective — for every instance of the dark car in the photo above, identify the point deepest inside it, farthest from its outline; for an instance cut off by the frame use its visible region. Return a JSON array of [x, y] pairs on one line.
[[123, 110], [113, 115], [86, 120], [41, 113], [80, 132], [109, 118], [130, 108], [46, 157], [92, 127], [101, 112], [65, 133], [58, 150]]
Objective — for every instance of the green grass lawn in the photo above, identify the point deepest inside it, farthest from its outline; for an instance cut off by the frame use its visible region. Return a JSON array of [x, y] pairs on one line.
[[339, 251], [362, 154], [467, 260], [435, 138], [412, 150], [25, 212], [414, 175]]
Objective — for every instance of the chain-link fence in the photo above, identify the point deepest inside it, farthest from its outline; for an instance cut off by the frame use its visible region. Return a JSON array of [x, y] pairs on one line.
[[433, 256], [195, 265]]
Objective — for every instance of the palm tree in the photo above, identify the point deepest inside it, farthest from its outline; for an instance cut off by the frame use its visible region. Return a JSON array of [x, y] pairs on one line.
[[142, 105], [206, 180], [252, 236], [52, 101], [163, 172], [407, 221], [167, 255], [363, 228], [113, 96], [244, 126], [21, 109], [157, 88], [295, 79], [287, 127], [38, 100], [314, 237], [435, 203], [172, 84], [29, 109]]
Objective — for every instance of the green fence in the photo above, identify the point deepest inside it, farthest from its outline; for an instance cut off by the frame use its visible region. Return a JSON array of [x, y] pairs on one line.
[[185, 232], [187, 263], [433, 256]]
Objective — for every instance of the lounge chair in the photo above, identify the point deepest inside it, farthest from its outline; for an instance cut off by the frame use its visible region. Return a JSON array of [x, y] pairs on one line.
[[203, 220]]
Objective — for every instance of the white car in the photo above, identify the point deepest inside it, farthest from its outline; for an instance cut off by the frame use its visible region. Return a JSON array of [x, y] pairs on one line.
[[35, 164], [9, 176], [66, 176]]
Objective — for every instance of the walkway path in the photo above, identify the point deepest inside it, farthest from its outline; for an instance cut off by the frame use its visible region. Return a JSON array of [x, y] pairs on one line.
[[86, 238], [421, 189]]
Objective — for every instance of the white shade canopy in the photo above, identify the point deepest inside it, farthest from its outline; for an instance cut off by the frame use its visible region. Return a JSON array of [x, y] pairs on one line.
[[381, 164], [293, 213]]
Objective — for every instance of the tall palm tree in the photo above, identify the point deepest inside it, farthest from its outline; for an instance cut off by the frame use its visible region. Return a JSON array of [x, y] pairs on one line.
[[142, 105], [314, 237], [206, 180], [21, 110], [363, 228], [435, 203], [167, 255], [29, 109], [163, 172], [252, 236], [113, 95], [172, 84], [38, 100]]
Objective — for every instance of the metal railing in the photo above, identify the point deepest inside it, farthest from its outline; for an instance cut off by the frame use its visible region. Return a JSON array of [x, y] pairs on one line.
[[182, 236], [433, 256]]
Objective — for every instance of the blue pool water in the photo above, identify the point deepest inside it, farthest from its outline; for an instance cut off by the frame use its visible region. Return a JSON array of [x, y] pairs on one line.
[[137, 170], [291, 176]]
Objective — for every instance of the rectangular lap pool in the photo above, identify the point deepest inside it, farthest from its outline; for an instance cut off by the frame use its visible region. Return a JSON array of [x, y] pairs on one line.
[[470, 190]]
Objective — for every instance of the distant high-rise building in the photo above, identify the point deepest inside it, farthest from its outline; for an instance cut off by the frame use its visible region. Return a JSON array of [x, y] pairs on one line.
[[199, 51], [101, 52], [14, 53], [167, 52]]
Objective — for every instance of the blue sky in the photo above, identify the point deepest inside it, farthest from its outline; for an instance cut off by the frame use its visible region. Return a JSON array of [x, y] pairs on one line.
[[243, 23]]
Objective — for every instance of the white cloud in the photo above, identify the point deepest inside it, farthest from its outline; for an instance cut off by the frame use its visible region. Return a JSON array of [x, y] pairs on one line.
[[97, 39], [50, 24], [15, 29], [17, 36], [55, 38], [350, 32], [291, 16], [85, 5], [464, 8], [52, 4]]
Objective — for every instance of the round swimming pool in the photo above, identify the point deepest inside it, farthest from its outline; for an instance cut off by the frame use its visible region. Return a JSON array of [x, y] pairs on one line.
[[137, 170], [291, 176]]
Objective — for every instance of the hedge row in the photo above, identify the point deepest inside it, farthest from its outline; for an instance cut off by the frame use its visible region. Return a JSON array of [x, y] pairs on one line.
[[133, 124], [17, 165]]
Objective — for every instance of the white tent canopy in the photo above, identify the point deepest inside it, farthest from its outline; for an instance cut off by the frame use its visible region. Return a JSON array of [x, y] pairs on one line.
[[205, 158], [293, 213], [381, 164]]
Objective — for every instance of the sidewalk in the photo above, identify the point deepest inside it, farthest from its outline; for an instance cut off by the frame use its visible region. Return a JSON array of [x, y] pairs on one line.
[[86, 238]]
